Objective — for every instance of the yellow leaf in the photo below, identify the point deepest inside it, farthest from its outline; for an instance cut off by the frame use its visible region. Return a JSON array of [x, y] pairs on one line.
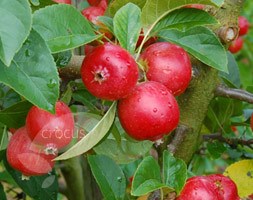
[[242, 174]]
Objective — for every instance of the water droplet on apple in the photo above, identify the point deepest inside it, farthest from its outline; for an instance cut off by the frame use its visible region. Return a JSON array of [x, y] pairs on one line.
[[166, 71], [107, 59], [118, 55], [155, 110], [156, 53], [164, 92]]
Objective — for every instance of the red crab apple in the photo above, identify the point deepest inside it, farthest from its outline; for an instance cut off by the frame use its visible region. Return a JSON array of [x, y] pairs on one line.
[[103, 4], [54, 131], [109, 72], [99, 3], [27, 157], [199, 188], [243, 24], [236, 45], [225, 185], [168, 64], [63, 1], [92, 13], [93, 2], [149, 112]]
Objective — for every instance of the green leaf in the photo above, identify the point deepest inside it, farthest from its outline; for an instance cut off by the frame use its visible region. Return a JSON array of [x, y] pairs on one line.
[[127, 26], [33, 73], [216, 149], [62, 59], [109, 177], [202, 43], [233, 75], [107, 21], [2, 193], [3, 137], [88, 100], [67, 94], [115, 5], [125, 152], [15, 25], [38, 4], [63, 27], [121, 149], [2, 155], [8, 96], [183, 19], [174, 171], [93, 137], [155, 10], [37, 187], [15, 115], [4, 175], [147, 178], [220, 112]]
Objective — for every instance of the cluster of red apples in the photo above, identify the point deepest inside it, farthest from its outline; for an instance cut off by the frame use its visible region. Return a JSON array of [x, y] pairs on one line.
[[237, 44], [147, 109], [32, 148]]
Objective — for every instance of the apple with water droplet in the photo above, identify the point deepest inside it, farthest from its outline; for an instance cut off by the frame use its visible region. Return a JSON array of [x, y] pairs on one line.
[[149, 112], [199, 188], [54, 131], [225, 185], [27, 157], [109, 72], [168, 64]]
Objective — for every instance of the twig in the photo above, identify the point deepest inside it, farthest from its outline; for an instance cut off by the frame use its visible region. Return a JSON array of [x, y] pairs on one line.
[[232, 93], [180, 134], [72, 70], [233, 142]]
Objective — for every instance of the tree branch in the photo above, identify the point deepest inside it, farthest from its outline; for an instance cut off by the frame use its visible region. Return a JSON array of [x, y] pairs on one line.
[[233, 142], [181, 133], [195, 101], [72, 70], [232, 93]]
